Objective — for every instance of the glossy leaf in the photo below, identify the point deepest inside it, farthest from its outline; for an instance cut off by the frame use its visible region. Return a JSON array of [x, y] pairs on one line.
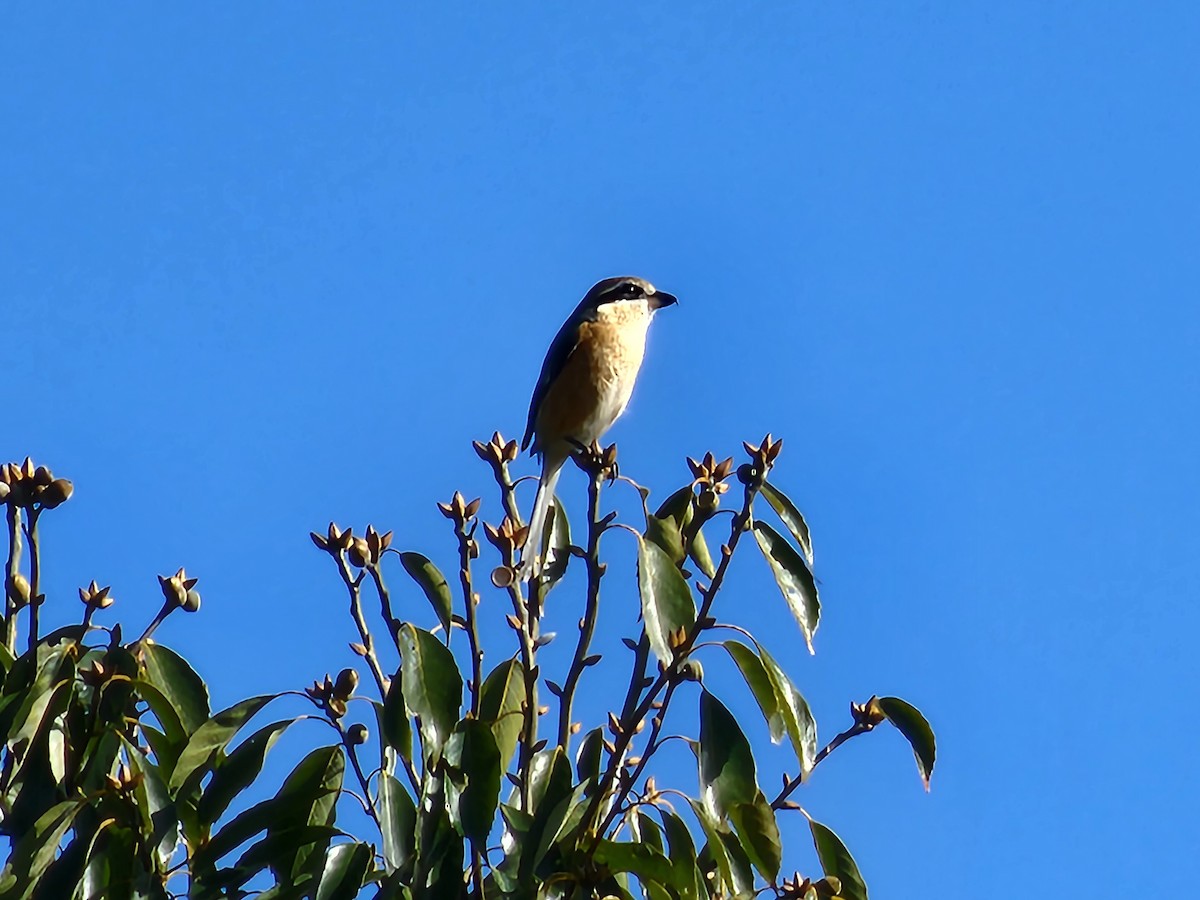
[[645, 830], [398, 813], [238, 771], [667, 604], [500, 704], [759, 832], [726, 763], [648, 863], [166, 713], [791, 518], [473, 778], [589, 755], [179, 683], [760, 684], [678, 505], [909, 721], [432, 582], [688, 879], [210, 739], [836, 860], [797, 718], [344, 870], [556, 544], [394, 722], [665, 533], [794, 579], [432, 685], [35, 850], [700, 555], [160, 821], [314, 787]]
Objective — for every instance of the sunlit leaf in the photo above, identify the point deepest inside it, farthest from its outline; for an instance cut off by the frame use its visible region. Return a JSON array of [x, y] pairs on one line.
[[646, 862], [556, 544], [432, 685], [726, 762], [500, 704], [344, 870], [791, 517], [688, 879], [210, 739], [667, 604], [797, 718], [238, 770], [665, 533], [394, 722], [430, 579], [178, 681], [398, 814], [760, 684], [836, 860], [756, 826], [908, 719], [160, 821], [700, 555], [794, 579], [35, 850]]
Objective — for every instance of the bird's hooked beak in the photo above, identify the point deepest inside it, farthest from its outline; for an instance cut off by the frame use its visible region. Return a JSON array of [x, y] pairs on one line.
[[659, 299]]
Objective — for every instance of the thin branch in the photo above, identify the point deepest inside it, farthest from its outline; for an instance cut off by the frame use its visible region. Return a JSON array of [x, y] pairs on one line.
[[35, 572], [353, 587], [470, 600], [587, 628], [854, 730], [11, 572]]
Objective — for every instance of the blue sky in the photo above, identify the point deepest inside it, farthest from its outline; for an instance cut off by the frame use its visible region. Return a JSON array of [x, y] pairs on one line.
[[264, 265]]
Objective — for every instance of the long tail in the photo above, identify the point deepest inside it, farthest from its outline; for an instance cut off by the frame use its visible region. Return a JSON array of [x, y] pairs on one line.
[[531, 557]]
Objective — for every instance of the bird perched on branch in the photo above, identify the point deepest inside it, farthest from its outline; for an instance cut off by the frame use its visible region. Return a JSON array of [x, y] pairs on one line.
[[585, 384]]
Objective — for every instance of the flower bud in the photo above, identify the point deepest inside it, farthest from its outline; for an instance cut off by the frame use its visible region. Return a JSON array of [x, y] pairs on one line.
[[56, 493], [18, 590], [191, 601], [344, 686], [358, 734]]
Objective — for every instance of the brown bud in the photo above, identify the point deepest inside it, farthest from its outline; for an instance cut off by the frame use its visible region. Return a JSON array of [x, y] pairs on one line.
[[191, 601], [346, 683], [472, 508], [42, 476], [18, 590], [359, 553], [4, 491], [511, 450], [320, 541], [357, 735], [337, 707], [358, 648], [27, 469]]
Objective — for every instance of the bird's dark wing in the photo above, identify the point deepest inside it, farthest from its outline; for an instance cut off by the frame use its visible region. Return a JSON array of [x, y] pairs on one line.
[[560, 351]]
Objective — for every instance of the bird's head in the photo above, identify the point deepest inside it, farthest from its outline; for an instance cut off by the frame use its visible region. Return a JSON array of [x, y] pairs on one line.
[[610, 293]]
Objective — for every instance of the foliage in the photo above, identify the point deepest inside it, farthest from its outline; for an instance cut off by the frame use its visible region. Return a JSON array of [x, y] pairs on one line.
[[118, 780]]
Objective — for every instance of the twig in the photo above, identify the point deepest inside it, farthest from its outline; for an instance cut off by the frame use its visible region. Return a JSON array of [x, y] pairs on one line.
[[35, 570], [595, 571], [470, 599], [353, 587], [12, 571], [856, 729]]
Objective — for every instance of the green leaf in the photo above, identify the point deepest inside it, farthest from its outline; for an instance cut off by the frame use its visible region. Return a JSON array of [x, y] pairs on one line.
[[556, 544], [678, 505], [908, 719], [179, 683], [165, 712], [698, 551], [645, 830], [398, 815], [209, 740], [35, 850], [432, 685], [160, 822], [432, 582], [667, 604], [688, 879], [791, 517], [760, 684], [665, 533], [473, 778], [837, 861], [756, 826], [587, 758], [797, 718], [238, 771], [646, 862], [394, 722], [314, 786], [732, 868], [794, 579], [726, 762], [500, 704], [344, 871], [272, 849]]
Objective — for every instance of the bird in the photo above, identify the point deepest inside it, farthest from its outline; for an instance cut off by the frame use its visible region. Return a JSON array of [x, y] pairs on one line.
[[585, 384]]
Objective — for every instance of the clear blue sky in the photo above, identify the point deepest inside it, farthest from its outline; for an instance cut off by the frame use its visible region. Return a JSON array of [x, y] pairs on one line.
[[264, 265]]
